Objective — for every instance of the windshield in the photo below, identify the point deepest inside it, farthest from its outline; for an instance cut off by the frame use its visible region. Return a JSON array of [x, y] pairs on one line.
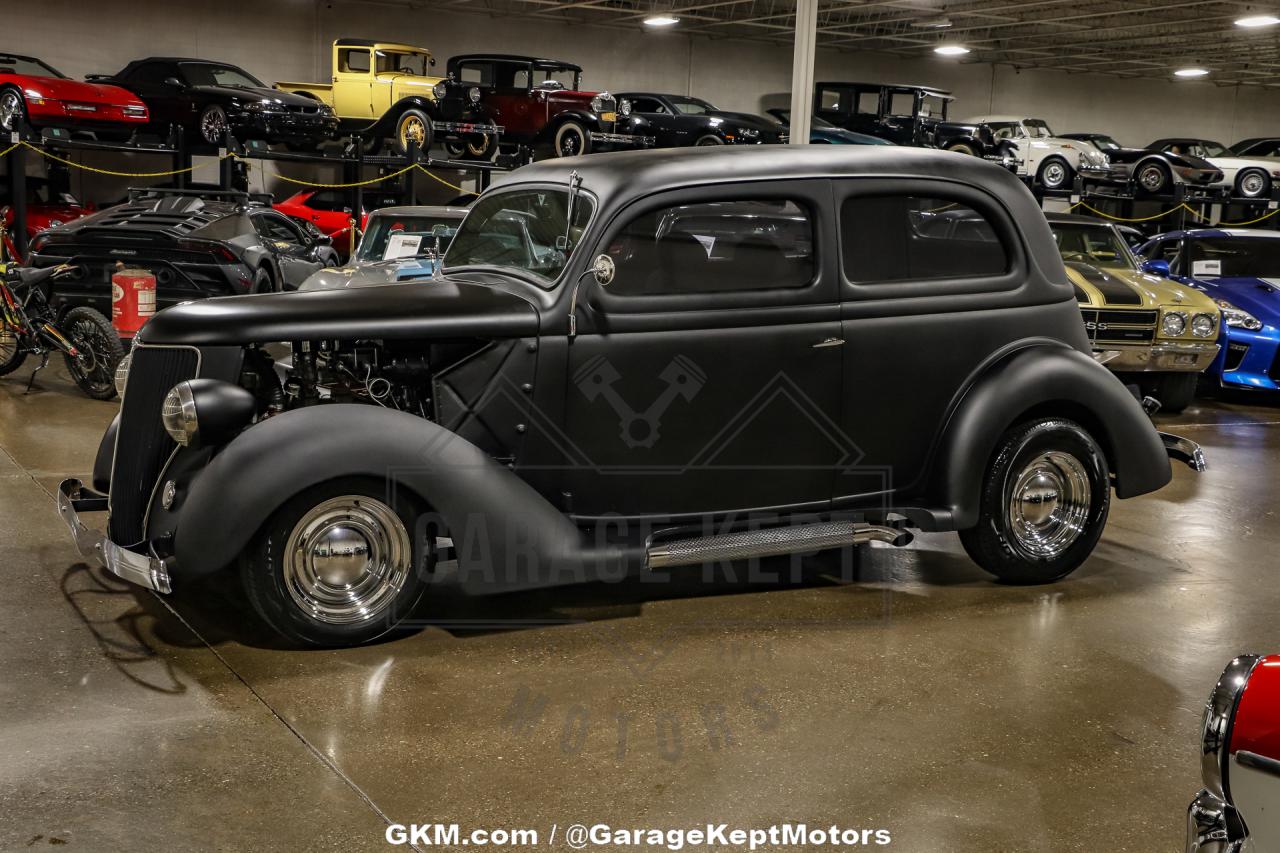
[[1092, 244], [932, 106], [1238, 257], [1037, 129], [399, 236], [403, 63], [1106, 143], [10, 64], [691, 106], [1198, 148], [519, 230], [209, 74], [548, 78]]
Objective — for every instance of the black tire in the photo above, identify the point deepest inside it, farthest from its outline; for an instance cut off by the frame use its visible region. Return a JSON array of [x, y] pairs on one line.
[[291, 598], [1253, 183], [13, 109], [963, 148], [1055, 174], [263, 281], [99, 352], [1153, 178], [1175, 391], [12, 351], [570, 140], [709, 139], [413, 124], [1001, 542], [213, 125], [482, 148]]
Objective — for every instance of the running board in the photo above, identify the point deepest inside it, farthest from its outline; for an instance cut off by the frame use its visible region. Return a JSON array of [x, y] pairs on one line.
[[771, 542]]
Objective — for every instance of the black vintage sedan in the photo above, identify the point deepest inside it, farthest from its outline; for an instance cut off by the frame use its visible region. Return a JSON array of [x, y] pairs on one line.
[[679, 120], [206, 99], [198, 243]]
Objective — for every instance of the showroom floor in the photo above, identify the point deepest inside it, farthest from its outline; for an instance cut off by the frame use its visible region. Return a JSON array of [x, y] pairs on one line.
[[921, 698]]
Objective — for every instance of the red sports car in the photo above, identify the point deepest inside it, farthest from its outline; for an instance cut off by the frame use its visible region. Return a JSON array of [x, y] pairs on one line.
[[44, 97], [330, 211], [46, 208]]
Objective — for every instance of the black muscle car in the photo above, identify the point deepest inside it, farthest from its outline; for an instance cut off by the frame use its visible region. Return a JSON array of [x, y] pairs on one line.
[[1149, 171], [206, 99], [199, 243], [641, 363], [678, 120]]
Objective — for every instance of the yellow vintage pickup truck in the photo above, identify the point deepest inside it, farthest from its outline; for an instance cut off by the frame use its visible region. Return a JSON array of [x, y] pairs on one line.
[[383, 90]]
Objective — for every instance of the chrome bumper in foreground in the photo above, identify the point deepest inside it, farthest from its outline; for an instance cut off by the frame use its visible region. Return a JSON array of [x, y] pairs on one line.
[[149, 571], [1173, 357], [1210, 828], [1184, 450]]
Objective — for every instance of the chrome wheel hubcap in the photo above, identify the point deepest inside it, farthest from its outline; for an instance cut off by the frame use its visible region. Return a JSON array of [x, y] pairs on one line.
[[347, 559], [213, 125], [1152, 179], [1252, 185], [1049, 505], [10, 109], [1054, 175]]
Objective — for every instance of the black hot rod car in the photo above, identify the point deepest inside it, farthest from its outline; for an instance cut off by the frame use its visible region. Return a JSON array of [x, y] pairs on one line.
[[633, 362]]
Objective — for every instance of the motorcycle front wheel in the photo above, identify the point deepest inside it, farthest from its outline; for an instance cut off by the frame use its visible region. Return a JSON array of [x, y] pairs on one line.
[[98, 352], [12, 351]]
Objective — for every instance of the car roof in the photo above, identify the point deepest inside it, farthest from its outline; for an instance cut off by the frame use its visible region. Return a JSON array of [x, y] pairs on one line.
[[515, 58], [1073, 219], [1017, 119], [372, 43], [180, 59], [932, 90], [420, 210], [1247, 233]]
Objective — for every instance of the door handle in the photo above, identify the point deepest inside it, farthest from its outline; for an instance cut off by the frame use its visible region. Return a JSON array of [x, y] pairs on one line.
[[829, 342]]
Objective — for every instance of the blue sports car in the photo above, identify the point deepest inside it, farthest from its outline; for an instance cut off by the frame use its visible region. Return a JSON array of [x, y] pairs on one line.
[[1240, 269], [823, 132]]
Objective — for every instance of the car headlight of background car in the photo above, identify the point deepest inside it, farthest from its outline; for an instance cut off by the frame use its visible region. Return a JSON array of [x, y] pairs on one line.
[[1204, 325], [473, 94], [1173, 324], [206, 411], [439, 90], [624, 107], [1237, 317]]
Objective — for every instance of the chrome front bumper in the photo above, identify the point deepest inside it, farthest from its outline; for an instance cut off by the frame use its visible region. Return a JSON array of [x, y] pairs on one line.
[[1157, 358], [144, 570], [1209, 829]]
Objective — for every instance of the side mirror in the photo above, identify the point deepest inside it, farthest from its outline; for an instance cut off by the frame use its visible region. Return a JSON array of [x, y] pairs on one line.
[[1156, 266], [433, 62], [174, 82], [603, 269]]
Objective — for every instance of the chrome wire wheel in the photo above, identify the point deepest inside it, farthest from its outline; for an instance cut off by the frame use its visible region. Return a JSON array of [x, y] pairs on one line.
[[347, 559], [1253, 184], [412, 129], [1048, 505], [10, 110]]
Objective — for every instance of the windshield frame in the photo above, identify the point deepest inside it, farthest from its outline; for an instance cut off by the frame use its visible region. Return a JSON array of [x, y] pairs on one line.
[[184, 65], [545, 285], [53, 72], [1130, 262], [366, 240], [677, 100]]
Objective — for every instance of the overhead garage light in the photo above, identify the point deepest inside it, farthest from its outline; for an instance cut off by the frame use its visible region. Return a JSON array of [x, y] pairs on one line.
[[951, 50], [932, 23], [1258, 21], [660, 21], [1191, 72]]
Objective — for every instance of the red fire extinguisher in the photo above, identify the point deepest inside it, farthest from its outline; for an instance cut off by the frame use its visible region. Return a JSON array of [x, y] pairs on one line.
[[133, 299]]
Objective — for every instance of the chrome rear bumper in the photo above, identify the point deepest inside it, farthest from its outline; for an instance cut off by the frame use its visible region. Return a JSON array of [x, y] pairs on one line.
[[144, 570], [1184, 450]]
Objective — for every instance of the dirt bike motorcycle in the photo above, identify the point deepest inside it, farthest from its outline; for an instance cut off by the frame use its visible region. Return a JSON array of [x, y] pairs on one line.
[[29, 325]]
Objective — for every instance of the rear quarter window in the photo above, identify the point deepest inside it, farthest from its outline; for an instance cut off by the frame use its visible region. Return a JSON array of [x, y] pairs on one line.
[[899, 237]]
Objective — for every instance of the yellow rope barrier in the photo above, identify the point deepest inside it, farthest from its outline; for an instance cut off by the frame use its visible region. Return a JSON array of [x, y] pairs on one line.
[[1097, 212], [98, 171]]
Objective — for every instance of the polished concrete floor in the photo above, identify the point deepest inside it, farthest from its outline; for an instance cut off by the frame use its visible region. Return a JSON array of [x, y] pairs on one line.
[[918, 696]]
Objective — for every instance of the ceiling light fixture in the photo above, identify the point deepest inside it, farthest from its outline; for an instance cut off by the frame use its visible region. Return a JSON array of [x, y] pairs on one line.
[[1191, 72], [932, 23], [951, 50], [1253, 21], [660, 21]]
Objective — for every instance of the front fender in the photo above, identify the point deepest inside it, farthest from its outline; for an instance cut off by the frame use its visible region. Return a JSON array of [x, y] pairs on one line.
[[1047, 379], [506, 535]]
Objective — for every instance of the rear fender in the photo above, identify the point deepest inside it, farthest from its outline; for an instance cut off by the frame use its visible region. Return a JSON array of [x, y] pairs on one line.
[[506, 535], [1039, 381]]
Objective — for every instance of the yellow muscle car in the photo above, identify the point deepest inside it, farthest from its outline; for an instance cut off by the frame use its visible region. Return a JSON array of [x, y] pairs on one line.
[[1152, 332]]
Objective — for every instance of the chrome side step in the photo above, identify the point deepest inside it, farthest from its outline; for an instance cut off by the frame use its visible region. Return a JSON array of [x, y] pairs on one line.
[[771, 542]]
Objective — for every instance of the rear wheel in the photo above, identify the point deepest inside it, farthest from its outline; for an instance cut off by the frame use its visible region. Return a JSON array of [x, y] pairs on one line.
[[1044, 503], [1153, 178], [12, 353], [263, 282], [1253, 183], [213, 125], [710, 139], [475, 147], [12, 109], [963, 148], [337, 564], [1175, 391], [1055, 174], [98, 352]]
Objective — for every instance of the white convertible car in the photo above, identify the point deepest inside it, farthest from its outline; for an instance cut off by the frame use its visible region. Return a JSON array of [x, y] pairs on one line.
[[1051, 160]]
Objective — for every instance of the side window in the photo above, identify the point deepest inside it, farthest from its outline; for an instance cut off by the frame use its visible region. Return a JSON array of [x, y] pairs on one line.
[[326, 200], [917, 238], [715, 247], [353, 60], [647, 105], [902, 104], [1168, 251], [271, 227], [152, 75], [522, 79], [830, 99], [868, 103], [480, 75]]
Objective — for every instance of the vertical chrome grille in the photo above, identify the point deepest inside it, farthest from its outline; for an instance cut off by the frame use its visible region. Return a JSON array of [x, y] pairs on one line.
[[142, 445]]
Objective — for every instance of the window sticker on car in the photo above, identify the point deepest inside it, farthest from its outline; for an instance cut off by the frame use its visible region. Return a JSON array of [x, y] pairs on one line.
[[1210, 268], [402, 246]]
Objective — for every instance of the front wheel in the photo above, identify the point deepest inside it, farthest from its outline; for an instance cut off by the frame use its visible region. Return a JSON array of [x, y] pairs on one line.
[[98, 352], [337, 565], [474, 147], [12, 110], [1044, 503], [1056, 174], [1253, 183], [710, 139], [413, 126], [1175, 391], [571, 139], [963, 148], [1153, 178], [214, 125], [12, 351]]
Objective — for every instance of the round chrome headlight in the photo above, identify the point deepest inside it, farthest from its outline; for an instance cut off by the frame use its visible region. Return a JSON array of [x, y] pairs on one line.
[[598, 103], [1174, 324], [178, 414], [473, 94], [1204, 325], [1215, 728], [122, 373], [624, 107], [439, 90]]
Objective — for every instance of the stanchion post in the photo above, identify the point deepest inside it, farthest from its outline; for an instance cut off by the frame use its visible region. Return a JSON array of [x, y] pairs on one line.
[[181, 155], [357, 196], [411, 176], [226, 166], [18, 194]]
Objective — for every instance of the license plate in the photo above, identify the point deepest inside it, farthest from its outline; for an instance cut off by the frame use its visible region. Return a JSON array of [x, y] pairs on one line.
[[1185, 359], [608, 116]]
